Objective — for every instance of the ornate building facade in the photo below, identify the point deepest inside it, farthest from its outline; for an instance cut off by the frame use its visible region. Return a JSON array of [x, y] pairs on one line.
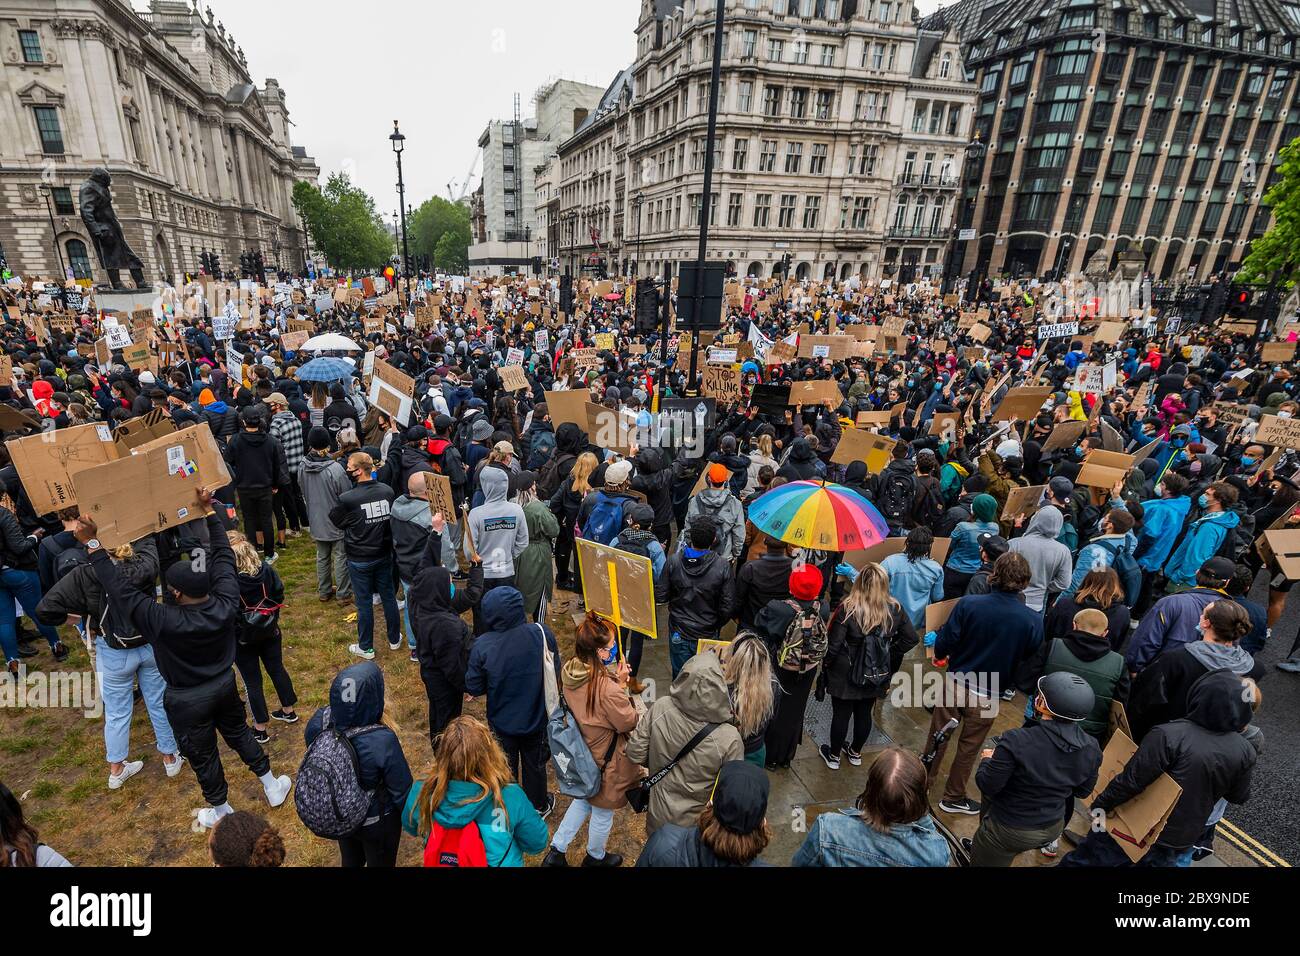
[[201, 158]]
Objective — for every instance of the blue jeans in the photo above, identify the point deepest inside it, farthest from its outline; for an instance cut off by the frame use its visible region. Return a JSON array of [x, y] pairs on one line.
[[681, 648], [25, 586], [369, 579], [118, 671]]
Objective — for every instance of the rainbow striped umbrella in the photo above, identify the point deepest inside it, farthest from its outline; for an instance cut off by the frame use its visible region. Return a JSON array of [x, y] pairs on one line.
[[824, 517]]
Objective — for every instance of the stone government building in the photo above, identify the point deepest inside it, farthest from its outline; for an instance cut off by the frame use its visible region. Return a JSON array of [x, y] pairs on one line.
[[201, 158]]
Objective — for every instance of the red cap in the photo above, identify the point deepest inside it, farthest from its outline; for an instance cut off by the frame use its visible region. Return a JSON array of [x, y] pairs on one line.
[[806, 583]]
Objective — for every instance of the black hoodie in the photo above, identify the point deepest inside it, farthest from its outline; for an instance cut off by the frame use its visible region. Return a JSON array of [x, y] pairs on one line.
[[802, 463], [1205, 753], [442, 638], [1035, 769], [258, 461], [699, 591]]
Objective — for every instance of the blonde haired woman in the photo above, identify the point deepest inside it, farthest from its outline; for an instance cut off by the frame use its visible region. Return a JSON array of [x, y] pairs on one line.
[[761, 453], [747, 669], [469, 811], [564, 505], [869, 635], [257, 643]]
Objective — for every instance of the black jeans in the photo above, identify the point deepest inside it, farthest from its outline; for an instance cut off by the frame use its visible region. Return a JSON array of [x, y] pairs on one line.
[[527, 757], [841, 712], [290, 508], [250, 659], [259, 515], [197, 715], [373, 845], [445, 701], [564, 552]]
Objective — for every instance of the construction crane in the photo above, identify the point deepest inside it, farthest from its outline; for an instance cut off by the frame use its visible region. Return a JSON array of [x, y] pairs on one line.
[[469, 177]]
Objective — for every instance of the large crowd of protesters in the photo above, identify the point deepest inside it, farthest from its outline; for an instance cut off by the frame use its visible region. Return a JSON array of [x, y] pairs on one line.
[[1136, 594]]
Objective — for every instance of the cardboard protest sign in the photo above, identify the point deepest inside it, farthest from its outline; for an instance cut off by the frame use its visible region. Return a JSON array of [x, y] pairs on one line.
[[1022, 501], [152, 489], [867, 447], [878, 552], [585, 358], [1111, 332], [137, 355], [980, 332], [945, 423], [1023, 403], [1102, 469], [835, 347], [1282, 432], [293, 341], [392, 391], [1282, 547], [824, 392], [140, 431], [47, 463], [1064, 435], [618, 586], [1136, 824], [513, 378], [722, 382], [440, 496], [874, 419], [1278, 351], [781, 352], [936, 615]]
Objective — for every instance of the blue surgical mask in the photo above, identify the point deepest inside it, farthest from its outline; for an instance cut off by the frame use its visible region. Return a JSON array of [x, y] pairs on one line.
[[1200, 631], [1247, 461], [1078, 453], [1203, 501], [911, 383], [453, 588], [609, 655]]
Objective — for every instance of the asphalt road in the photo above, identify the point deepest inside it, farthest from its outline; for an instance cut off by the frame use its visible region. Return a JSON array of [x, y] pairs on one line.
[[1268, 826]]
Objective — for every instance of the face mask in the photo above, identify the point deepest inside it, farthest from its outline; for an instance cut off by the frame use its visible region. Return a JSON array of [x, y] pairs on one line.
[[1203, 501], [1160, 491], [609, 655], [1200, 631], [1247, 461], [1078, 453], [911, 384], [1179, 443], [938, 386], [1283, 414]]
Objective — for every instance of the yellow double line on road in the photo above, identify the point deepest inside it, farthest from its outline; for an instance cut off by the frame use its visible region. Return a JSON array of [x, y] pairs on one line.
[[1250, 846]]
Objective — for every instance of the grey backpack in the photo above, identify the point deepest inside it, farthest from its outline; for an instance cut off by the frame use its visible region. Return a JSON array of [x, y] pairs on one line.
[[576, 773], [328, 794]]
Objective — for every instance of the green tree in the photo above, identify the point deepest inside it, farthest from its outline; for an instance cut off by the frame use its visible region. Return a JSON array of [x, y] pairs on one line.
[[343, 224], [1279, 248], [440, 230]]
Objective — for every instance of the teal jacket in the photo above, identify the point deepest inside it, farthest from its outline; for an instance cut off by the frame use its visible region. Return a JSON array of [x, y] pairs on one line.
[[1162, 521], [1202, 540], [505, 844]]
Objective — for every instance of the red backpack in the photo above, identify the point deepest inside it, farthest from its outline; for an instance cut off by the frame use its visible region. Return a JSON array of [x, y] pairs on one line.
[[455, 847]]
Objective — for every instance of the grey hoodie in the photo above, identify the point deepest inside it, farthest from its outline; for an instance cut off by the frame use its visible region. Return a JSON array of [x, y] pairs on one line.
[[1049, 561], [411, 524], [322, 481], [497, 527], [723, 507], [1218, 656]]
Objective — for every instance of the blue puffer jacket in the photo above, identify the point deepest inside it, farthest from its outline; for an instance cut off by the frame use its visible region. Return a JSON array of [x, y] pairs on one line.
[[1162, 520], [839, 840], [357, 700], [1202, 540], [1169, 624], [506, 664]]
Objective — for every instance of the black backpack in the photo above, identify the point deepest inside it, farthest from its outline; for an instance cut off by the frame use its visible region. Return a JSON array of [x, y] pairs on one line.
[[548, 482], [869, 665], [896, 495]]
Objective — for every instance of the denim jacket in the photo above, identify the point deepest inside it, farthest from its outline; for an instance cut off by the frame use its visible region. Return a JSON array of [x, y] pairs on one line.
[[840, 840]]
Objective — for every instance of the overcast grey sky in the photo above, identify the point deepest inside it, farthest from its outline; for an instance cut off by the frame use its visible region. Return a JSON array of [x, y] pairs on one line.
[[444, 69]]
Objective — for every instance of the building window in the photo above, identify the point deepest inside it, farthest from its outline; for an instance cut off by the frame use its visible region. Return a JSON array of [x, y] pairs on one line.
[[762, 210], [740, 155], [801, 51], [1073, 19], [812, 210], [47, 124], [825, 100], [785, 218], [828, 55], [861, 212], [31, 44], [767, 158], [748, 44], [945, 66], [817, 161], [745, 101], [870, 156], [877, 56], [798, 103], [63, 203], [774, 50], [735, 206], [793, 157], [78, 259], [772, 100], [702, 98]]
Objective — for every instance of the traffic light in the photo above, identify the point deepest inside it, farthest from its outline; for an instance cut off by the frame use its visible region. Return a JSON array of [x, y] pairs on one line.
[[1239, 302], [647, 306], [566, 294], [245, 266], [215, 268]]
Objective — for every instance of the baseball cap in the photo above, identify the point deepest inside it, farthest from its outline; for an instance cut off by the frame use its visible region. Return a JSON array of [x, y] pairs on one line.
[[740, 797], [503, 448], [1061, 487], [277, 398], [994, 545], [618, 473], [1220, 569]]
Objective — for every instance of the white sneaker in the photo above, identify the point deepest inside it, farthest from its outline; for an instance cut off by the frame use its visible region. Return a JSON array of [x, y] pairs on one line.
[[376, 600], [356, 651], [208, 817], [278, 792], [129, 769], [174, 767], [401, 605]]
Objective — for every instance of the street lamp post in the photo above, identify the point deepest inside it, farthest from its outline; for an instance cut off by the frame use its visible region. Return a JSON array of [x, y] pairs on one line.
[[399, 146], [638, 201], [58, 250]]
